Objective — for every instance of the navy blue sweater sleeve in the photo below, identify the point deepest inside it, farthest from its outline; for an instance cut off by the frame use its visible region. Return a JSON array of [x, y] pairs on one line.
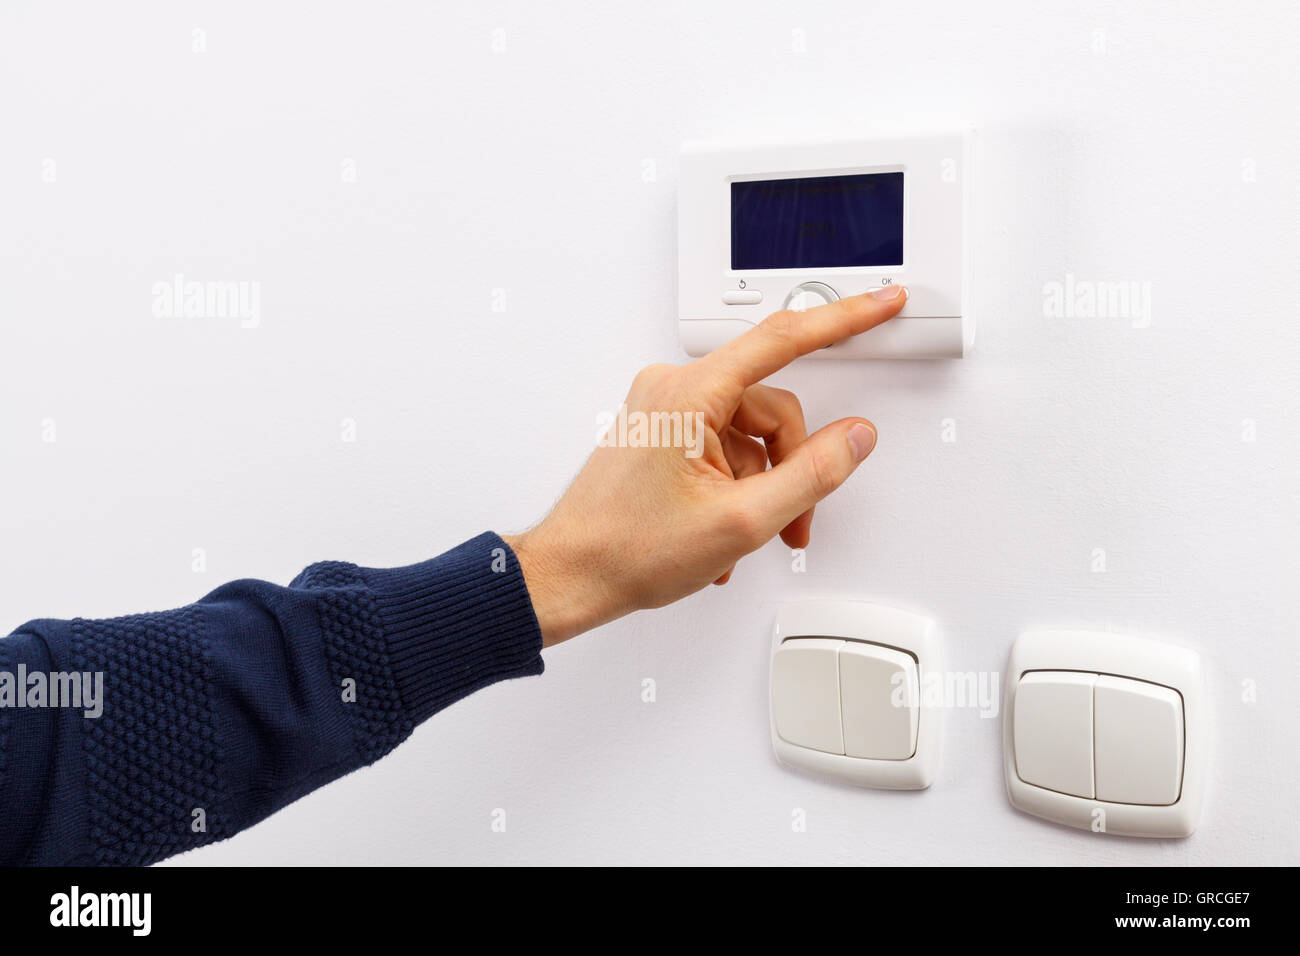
[[214, 716]]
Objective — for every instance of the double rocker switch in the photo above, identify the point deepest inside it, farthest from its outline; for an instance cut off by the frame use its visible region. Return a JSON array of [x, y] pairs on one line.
[[1101, 731], [1112, 739], [845, 697]]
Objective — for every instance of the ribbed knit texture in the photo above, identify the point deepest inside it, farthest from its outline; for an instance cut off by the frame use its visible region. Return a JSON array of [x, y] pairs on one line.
[[218, 714], [433, 623]]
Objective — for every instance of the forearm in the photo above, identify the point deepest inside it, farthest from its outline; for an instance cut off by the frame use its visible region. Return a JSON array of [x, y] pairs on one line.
[[218, 714]]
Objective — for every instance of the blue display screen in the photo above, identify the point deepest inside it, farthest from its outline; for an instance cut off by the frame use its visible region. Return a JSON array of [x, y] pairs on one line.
[[817, 223]]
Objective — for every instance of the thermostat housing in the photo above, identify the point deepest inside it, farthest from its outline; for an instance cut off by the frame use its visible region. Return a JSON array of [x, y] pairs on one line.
[[790, 226]]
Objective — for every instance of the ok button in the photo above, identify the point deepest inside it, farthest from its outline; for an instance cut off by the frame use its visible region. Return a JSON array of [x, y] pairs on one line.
[[809, 295]]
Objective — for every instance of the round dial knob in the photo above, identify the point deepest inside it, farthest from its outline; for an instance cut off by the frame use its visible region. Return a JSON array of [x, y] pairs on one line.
[[807, 295]]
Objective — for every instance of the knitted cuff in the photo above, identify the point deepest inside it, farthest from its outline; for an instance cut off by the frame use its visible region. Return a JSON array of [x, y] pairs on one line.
[[456, 623]]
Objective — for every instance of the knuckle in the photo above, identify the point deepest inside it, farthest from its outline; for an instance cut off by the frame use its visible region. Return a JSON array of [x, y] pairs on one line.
[[788, 403], [822, 474], [848, 315], [652, 374], [783, 325], [782, 330], [746, 526]]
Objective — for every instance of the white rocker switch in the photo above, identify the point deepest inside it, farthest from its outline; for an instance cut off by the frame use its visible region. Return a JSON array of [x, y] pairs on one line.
[[1105, 732], [1054, 731], [846, 700], [879, 700], [806, 694], [1139, 742]]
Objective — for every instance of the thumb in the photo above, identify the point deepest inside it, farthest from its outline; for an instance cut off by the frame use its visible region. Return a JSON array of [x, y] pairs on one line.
[[817, 466]]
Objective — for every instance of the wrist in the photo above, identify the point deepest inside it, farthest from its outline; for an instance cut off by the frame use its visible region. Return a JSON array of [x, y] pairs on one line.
[[565, 584]]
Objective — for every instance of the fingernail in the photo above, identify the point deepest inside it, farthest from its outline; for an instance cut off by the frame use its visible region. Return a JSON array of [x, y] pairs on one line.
[[888, 292], [862, 438]]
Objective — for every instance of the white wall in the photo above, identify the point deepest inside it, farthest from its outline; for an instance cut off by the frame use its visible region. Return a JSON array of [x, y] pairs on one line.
[[1114, 146]]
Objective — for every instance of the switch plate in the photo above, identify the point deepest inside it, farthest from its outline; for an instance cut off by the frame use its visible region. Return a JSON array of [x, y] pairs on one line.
[[882, 658], [1147, 732]]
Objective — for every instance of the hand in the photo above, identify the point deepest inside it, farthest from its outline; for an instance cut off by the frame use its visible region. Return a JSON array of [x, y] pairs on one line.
[[643, 525]]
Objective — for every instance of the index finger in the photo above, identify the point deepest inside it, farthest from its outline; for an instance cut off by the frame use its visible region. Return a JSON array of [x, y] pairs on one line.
[[784, 336]]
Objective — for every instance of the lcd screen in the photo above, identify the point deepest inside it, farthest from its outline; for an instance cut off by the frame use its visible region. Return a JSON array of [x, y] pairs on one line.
[[821, 222]]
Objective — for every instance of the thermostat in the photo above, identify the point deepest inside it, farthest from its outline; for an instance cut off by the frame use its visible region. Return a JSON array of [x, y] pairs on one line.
[[792, 226]]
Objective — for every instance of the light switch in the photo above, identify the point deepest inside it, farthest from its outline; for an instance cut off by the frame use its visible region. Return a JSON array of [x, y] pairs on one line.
[[1105, 732], [1139, 741], [879, 701], [1053, 731], [845, 693], [806, 694]]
